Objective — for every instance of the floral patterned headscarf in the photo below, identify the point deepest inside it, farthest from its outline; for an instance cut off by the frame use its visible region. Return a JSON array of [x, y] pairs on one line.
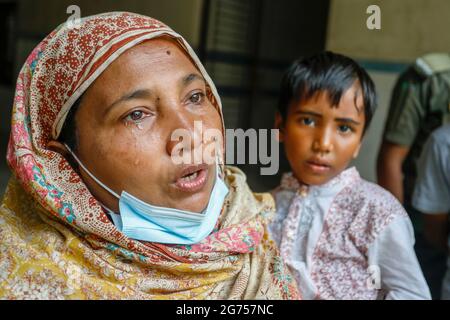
[[50, 214]]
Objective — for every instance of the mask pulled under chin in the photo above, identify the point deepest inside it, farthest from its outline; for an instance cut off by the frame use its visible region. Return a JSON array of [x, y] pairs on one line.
[[142, 221]]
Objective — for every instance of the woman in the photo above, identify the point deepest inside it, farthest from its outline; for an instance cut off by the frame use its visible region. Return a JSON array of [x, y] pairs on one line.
[[90, 149]]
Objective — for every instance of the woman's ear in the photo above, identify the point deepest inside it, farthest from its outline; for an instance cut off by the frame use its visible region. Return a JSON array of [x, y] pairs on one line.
[[57, 146], [279, 125]]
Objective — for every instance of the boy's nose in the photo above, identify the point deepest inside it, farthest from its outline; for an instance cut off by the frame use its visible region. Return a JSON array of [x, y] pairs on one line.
[[323, 142]]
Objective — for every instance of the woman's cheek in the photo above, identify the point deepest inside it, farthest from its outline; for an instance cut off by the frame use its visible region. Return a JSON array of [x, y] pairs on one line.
[[213, 120]]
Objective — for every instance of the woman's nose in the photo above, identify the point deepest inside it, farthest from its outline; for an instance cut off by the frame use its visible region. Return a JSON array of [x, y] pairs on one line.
[[185, 134], [323, 142]]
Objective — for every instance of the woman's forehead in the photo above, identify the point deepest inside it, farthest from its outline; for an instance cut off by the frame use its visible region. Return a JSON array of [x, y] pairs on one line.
[[152, 62], [153, 50], [154, 45]]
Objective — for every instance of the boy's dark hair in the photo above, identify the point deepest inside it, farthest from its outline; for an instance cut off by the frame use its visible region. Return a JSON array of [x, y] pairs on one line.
[[330, 72]]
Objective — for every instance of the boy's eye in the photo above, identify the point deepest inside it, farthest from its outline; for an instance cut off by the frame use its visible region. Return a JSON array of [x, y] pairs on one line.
[[307, 121], [197, 97], [344, 129]]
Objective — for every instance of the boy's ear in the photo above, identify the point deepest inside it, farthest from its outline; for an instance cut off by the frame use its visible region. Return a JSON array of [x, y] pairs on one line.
[[356, 153], [279, 125]]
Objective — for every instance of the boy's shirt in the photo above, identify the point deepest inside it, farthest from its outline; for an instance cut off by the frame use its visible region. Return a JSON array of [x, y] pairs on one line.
[[346, 239]]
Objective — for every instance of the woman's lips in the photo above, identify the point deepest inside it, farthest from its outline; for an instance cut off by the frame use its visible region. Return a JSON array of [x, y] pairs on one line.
[[318, 167], [192, 178]]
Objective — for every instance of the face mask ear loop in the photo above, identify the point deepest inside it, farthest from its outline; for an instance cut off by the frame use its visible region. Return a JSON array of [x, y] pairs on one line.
[[90, 174], [220, 174], [219, 165]]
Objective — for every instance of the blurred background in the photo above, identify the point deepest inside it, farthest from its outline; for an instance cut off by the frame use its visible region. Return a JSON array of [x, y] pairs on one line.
[[246, 45]]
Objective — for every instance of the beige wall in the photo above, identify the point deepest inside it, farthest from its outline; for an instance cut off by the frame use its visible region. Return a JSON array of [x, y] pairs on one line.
[[409, 28]]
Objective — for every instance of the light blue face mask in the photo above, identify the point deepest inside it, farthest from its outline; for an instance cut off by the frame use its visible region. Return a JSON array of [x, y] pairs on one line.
[[142, 221]]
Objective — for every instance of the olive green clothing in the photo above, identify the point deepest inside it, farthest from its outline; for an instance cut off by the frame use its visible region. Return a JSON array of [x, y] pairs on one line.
[[420, 103]]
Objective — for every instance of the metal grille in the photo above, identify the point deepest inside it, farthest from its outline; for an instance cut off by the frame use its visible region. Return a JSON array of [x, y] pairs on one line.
[[230, 51]]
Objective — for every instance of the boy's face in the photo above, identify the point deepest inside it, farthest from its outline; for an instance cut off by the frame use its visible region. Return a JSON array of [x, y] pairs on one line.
[[321, 140]]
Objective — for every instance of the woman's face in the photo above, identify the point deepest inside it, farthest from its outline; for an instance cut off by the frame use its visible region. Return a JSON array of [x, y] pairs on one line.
[[126, 120]]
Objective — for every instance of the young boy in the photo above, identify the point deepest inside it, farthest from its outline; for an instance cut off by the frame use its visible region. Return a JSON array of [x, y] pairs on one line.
[[341, 236]]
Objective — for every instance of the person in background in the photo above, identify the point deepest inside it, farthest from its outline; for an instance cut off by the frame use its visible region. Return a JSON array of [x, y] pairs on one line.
[[420, 103], [432, 196]]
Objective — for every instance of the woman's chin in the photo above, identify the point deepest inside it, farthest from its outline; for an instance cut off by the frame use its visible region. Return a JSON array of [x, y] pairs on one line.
[[194, 206], [198, 202]]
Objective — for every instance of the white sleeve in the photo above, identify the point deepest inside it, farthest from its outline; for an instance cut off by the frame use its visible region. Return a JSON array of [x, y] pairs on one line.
[[393, 253], [432, 187]]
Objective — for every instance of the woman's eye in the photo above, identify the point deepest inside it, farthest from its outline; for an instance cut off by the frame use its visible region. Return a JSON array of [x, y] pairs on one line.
[[197, 97], [308, 121], [135, 116]]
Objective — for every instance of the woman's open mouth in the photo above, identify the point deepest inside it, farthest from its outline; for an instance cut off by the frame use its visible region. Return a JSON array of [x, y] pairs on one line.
[[192, 178]]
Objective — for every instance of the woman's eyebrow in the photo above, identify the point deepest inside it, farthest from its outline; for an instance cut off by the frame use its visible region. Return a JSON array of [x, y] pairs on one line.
[[137, 94], [145, 93], [186, 80]]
